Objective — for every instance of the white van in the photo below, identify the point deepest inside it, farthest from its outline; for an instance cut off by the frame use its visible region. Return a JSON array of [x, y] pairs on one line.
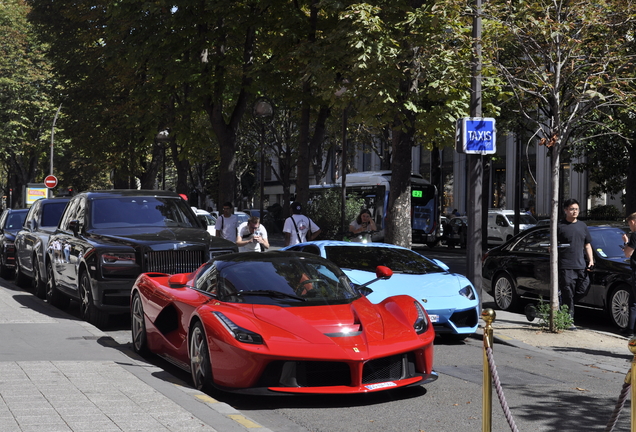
[[501, 225]]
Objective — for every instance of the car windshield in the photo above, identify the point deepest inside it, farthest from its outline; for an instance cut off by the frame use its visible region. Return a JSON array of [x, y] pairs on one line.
[[607, 242], [283, 281], [368, 258], [122, 212], [524, 219], [51, 213]]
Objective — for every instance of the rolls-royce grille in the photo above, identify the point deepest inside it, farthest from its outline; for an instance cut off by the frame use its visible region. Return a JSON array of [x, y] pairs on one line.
[[174, 261]]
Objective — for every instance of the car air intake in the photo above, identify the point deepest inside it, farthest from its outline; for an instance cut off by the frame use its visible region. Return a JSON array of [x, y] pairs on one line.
[[174, 261]]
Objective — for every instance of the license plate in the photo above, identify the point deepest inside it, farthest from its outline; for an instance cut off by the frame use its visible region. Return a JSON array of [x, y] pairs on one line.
[[434, 318], [381, 385]]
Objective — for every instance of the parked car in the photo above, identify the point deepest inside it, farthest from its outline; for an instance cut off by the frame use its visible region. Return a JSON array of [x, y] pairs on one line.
[[501, 225], [207, 219], [281, 323], [105, 239], [31, 242], [11, 221], [450, 299], [519, 271]]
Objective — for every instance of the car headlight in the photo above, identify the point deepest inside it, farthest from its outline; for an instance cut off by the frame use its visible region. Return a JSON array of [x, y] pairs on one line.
[[421, 323], [468, 292], [119, 258], [239, 333]]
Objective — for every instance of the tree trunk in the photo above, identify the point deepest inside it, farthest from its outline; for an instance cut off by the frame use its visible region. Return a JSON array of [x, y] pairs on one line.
[[399, 210], [554, 252]]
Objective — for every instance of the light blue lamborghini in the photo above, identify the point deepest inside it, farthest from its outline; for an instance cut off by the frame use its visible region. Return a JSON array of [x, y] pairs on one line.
[[450, 299]]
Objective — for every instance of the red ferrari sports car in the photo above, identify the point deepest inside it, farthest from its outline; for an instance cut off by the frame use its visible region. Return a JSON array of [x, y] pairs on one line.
[[281, 322]]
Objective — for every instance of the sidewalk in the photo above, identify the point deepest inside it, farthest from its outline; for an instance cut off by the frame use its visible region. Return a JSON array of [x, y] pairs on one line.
[[58, 374], [604, 350]]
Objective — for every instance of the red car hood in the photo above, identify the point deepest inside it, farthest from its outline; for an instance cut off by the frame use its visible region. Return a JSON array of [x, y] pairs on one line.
[[326, 324]]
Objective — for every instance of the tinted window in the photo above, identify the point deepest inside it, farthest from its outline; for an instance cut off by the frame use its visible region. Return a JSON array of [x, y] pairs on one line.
[[15, 220], [368, 258], [121, 212], [51, 213]]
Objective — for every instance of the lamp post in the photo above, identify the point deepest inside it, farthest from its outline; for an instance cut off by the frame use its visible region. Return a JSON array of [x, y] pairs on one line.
[[262, 110], [163, 137]]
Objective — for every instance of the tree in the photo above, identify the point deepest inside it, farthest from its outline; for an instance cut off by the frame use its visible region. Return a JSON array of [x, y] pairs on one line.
[[27, 87], [568, 65]]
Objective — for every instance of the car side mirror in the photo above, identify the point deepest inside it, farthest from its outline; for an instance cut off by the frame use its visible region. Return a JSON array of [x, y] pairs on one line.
[[74, 226], [178, 280], [381, 273]]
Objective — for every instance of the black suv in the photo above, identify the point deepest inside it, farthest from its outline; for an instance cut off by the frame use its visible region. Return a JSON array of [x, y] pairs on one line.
[[32, 240], [105, 239], [11, 221]]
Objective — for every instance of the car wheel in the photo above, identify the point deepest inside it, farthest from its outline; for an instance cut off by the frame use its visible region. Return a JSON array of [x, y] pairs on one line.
[[88, 311], [20, 279], [5, 272], [619, 306], [39, 286], [138, 325], [200, 359], [505, 294], [53, 295]]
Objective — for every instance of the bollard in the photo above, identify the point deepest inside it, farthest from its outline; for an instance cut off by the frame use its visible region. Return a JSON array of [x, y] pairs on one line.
[[632, 348], [488, 315]]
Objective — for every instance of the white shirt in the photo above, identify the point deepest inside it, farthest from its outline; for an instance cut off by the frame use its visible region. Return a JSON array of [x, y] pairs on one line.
[[227, 226], [244, 230], [303, 223]]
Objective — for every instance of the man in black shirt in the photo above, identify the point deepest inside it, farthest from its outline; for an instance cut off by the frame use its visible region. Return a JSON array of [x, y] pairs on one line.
[[630, 245], [573, 278]]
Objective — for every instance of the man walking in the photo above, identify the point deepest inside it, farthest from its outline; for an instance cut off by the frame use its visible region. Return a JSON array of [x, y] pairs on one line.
[[573, 278], [227, 223], [299, 228], [628, 248]]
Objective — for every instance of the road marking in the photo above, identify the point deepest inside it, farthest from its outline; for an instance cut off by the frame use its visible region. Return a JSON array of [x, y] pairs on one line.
[[244, 421], [206, 398]]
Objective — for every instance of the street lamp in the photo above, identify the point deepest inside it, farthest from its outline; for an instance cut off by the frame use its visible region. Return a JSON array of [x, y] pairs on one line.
[[163, 137], [262, 111]]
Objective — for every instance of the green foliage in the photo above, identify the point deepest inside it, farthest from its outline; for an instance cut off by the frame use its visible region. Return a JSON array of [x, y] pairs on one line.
[[562, 318], [325, 210], [605, 212]]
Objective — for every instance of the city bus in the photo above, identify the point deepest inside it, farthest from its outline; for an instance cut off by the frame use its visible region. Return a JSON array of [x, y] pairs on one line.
[[374, 188]]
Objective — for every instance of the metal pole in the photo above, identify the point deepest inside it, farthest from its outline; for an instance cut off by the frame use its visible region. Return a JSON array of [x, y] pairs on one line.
[[632, 348], [262, 193], [343, 222], [488, 315], [475, 164], [53, 134]]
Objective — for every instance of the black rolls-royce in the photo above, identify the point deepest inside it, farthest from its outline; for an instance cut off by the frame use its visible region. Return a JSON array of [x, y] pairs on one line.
[[105, 239]]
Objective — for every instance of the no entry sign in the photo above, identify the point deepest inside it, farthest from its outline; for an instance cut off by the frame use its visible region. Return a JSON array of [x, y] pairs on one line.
[[50, 181]]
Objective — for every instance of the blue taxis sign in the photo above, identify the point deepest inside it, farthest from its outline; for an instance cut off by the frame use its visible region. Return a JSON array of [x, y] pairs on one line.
[[476, 135]]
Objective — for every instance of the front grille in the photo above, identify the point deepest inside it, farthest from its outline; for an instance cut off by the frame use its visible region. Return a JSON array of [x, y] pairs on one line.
[[465, 318], [305, 374], [385, 369], [174, 261]]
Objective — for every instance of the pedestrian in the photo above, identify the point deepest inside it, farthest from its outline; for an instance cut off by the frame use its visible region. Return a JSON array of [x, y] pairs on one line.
[[364, 222], [298, 227], [227, 223], [628, 248], [575, 239], [252, 236]]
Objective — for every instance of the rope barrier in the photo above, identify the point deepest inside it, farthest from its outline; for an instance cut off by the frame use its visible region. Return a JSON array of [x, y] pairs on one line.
[[619, 407], [500, 393]]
